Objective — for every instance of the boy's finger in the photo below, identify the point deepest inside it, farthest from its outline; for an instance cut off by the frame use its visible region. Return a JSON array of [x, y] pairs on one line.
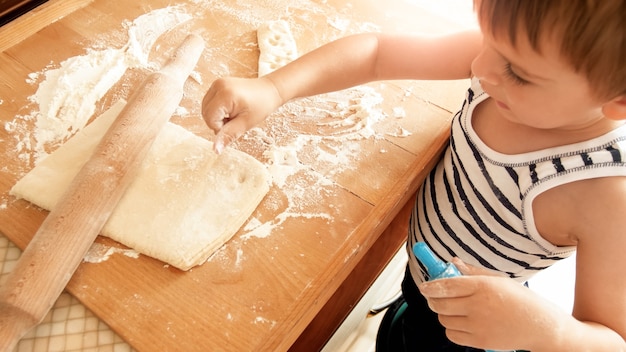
[[231, 130], [214, 116]]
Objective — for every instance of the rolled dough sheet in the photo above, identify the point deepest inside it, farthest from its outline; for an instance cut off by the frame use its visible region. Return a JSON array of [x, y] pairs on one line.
[[183, 205], [276, 45]]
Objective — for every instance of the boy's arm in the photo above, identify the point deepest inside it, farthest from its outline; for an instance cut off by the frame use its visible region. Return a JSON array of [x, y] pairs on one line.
[[591, 212], [363, 58], [600, 294], [232, 106]]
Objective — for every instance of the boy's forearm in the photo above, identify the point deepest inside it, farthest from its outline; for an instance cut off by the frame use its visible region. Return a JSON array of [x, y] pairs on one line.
[[574, 335], [341, 64], [363, 58], [593, 337]]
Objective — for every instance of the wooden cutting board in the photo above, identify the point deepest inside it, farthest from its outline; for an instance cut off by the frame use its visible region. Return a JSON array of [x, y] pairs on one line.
[[257, 293]]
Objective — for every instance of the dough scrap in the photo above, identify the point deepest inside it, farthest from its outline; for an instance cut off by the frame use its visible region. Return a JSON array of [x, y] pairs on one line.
[[277, 46], [183, 205]]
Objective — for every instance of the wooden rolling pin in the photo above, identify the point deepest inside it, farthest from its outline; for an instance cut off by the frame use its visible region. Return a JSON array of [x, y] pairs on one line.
[[65, 236]]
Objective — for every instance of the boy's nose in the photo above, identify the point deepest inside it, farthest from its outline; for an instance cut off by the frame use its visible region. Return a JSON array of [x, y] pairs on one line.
[[485, 68]]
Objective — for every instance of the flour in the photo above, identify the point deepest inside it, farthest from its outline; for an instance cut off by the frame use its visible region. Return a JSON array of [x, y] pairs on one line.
[[33, 77], [262, 320], [252, 224], [399, 112], [345, 115], [146, 29], [339, 23], [400, 132], [283, 160], [260, 230], [257, 12], [67, 96], [326, 129], [195, 75], [99, 253], [181, 111]]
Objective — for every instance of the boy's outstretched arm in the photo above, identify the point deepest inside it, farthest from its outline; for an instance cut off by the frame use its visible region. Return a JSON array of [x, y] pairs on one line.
[[232, 106], [364, 58]]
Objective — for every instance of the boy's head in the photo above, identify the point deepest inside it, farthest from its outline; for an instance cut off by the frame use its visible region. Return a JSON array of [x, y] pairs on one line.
[[591, 33]]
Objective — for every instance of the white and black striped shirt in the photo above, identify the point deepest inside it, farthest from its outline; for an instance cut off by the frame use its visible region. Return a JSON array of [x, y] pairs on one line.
[[476, 204]]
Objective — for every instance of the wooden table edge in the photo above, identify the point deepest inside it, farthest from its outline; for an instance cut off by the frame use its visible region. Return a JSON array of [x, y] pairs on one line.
[[33, 21]]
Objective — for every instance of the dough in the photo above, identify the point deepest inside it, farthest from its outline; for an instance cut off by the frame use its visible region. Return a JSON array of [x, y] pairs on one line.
[[277, 46], [185, 202]]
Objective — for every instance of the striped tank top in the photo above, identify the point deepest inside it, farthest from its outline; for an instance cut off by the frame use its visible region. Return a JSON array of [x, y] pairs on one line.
[[476, 204]]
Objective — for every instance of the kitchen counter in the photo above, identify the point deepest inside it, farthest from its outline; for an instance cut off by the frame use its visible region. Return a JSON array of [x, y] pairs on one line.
[[326, 229]]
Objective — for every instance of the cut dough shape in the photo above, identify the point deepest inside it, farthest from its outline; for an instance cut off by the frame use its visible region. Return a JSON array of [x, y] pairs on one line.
[[185, 202], [276, 45]]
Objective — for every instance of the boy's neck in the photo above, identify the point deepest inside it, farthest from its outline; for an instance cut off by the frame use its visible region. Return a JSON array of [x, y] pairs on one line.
[[507, 137]]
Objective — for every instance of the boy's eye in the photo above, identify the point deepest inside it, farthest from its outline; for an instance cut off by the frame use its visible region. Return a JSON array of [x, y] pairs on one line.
[[509, 73]]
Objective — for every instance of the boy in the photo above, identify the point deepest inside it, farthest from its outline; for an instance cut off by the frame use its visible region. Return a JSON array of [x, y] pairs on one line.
[[535, 168]]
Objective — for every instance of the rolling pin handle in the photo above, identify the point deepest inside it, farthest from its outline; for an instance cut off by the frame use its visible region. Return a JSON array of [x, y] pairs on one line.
[[15, 324]]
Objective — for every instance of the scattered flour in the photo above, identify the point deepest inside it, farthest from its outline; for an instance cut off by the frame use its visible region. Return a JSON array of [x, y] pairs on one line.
[[261, 230], [325, 128], [195, 75], [99, 253], [144, 31], [340, 23], [181, 111], [400, 132], [239, 257], [262, 320], [399, 112], [345, 115], [252, 224], [33, 77], [67, 96], [283, 160]]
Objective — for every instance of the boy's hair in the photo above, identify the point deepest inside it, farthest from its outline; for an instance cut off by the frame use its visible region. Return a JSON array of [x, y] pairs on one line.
[[592, 34]]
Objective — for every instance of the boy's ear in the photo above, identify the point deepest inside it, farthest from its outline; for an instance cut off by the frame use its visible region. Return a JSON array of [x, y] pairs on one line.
[[616, 108]]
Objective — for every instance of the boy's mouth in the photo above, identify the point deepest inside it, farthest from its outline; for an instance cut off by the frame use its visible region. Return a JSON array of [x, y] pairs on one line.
[[487, 89]]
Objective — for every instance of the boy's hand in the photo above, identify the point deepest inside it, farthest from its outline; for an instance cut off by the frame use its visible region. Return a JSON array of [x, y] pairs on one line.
[[232, 106], [482, 310]]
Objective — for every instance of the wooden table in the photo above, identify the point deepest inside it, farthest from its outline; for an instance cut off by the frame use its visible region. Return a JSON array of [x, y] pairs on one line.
[[289, 289]]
